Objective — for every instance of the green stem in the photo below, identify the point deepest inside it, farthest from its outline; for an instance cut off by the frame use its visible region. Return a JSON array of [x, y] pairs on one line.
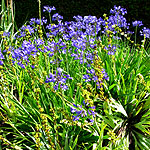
[[135, 33], [40, 11], [50, 18]]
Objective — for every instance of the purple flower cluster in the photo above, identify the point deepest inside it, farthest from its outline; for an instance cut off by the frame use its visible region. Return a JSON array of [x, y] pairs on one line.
[[137, 23], [23, 31], [91, 76], [34, 21], [57, 17], [1, 58], [48, 9], [117, 18], [82, 35], [55, 47], [145, 31], [6, 34], [82, 27], [55, 29], [80, 40], [118, 10], [31, 48], [21, 55], [59, 79], [79, 112], [111, 49], [30, 29]]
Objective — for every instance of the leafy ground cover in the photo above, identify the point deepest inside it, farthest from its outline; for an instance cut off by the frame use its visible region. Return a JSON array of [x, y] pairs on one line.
[[82, 84]]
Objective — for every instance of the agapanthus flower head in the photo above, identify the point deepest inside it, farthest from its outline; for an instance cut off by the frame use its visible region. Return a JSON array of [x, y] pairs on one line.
[[25, 30], [21, 65], [48, 8], [145, 32], [1, 58], [6, 34], [91, 76], [32, 21], [130, 32], [86, 77], [51, 78], [137, 23], [111, 49], [29, 29], [39, 42], [57, 17], [117, 20], [64, 87], [89, 19], [78, 18], [23, 53], [59, 79], [118, 10], [79, 112], [44, 20], [1, 62], [32, 66], [59, 70], [105, 75]]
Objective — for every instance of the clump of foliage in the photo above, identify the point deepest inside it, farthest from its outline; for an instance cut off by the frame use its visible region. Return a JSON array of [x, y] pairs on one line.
[[82, 84]]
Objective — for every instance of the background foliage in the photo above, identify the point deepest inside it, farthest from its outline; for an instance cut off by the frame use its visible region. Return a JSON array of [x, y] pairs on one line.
[[137, 9]]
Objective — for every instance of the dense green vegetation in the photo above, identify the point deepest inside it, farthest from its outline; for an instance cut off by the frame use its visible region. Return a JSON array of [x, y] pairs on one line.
[[70, 85]]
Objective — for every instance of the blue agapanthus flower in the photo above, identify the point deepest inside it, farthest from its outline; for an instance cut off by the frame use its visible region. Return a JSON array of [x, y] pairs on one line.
[[91, 76], [118, 10], [145, 31], [79, 112], [59, 79], [137, 23], [48, 8], [1, 58], [57, 17]]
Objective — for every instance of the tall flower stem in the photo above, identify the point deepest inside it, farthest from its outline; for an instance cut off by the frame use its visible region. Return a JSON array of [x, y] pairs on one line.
[[40, 11], [135, 34], [50, 18]]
